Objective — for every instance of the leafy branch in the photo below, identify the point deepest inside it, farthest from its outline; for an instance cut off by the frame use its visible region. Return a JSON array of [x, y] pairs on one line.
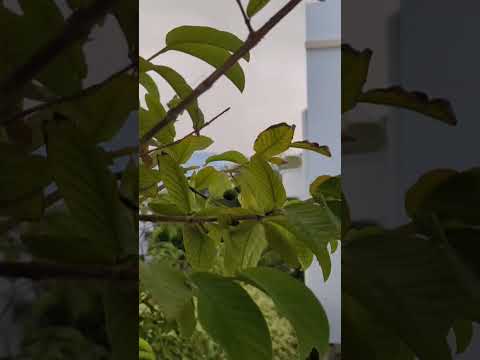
[[64, 99], [187, 219], [252, 40], [189, 134], [76, 27]]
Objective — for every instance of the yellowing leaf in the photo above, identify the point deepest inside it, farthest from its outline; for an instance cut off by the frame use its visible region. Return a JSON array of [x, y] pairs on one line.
[[274, 140], [311, 146], [231, 156]]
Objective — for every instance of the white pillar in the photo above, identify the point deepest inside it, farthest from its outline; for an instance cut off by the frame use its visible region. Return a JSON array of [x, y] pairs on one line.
[[323, 125]]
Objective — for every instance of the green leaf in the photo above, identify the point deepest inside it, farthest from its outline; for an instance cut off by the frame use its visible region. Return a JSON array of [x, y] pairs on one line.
[[285, 243], [298, 304], [355, 66], [311, 146], [18, 190], [214, 56], [452, 197], [48, 239], [120, 304], [254, 6], [328, 188], [463, 330], [261, 188], [423, 188], [164, 208], [176, 183], [364, 337], [148, 180], [232, 319], [205, 35], [102, 113], [183, 151], [274, 140], [215, 181], [89, 189], [313, 225], [168, 287], [415, 101], [232, 156], [201, 250], [149, 118], [187, 320], [244, 246], [145, 351], [149, 84], [407, 281], [63, 75], [181, 88]]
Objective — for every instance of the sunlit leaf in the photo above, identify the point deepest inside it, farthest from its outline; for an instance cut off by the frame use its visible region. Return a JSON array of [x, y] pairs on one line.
[[274, 140], [231, 156]]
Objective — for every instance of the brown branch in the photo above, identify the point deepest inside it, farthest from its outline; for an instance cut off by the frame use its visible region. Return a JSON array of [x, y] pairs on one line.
[[245, 16], [46, 270], [76, 27], [252, 40], [189, 134], [64, 99], [179, 219]]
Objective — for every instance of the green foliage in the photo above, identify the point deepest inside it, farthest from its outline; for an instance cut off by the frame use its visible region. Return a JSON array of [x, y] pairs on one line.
[[418, 276]]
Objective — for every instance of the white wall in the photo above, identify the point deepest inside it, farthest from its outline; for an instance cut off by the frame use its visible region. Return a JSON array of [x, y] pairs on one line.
[[322, 124]]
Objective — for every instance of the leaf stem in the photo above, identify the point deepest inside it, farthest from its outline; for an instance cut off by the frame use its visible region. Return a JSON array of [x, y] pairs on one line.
[[189, 134], [245, 16], [64, 99]]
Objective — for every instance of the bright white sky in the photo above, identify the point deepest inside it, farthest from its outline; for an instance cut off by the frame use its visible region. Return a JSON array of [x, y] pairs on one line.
[[275, 76]]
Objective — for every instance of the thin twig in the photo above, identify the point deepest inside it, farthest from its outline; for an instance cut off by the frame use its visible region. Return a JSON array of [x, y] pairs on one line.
[[64, 99], [245, 16], [189, 134], [77, 26], [177, 219], [252, 40]]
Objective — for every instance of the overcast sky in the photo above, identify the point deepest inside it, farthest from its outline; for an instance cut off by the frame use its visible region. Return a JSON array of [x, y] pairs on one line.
[[275, 76]]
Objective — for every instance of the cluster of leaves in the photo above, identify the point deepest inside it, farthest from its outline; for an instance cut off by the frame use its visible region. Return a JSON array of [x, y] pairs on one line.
[[405, 289], [167, 343], [56, 176], [231, 217]]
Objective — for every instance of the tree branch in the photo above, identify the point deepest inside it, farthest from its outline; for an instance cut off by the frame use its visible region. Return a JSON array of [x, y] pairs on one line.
[[245, 16], [179, 219], [189, 134], [76, 27], [252, 40], [64, 99], [34, 270]]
